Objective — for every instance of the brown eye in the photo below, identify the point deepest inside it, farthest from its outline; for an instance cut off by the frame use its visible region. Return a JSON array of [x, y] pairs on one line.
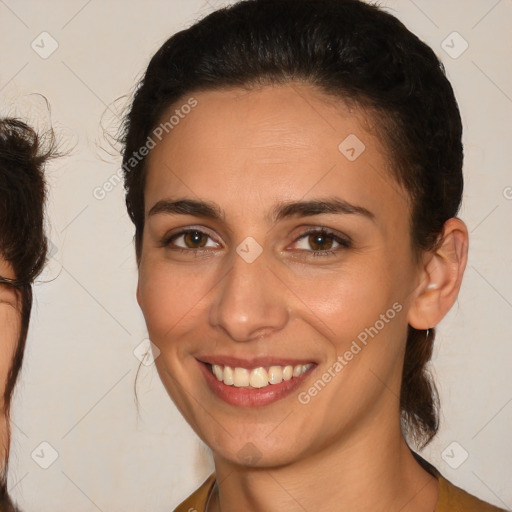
[[9, 295], [195, 239], [189, 240], [320, 241]]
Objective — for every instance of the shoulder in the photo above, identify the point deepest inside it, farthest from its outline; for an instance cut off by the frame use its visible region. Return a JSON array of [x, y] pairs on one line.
[[196, 502], [454, 499], [451, 498]]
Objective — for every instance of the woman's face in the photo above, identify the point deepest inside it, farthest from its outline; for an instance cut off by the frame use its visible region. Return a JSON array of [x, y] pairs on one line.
[[10, 323], [275, 236]]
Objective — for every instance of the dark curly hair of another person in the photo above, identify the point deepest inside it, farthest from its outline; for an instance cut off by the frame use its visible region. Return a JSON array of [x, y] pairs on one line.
[[23, 244]]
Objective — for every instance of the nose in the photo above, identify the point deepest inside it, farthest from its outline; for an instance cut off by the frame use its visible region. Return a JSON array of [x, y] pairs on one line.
[[249, 301]]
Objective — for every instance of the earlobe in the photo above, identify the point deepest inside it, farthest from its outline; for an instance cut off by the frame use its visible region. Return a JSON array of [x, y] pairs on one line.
[[441, 277]]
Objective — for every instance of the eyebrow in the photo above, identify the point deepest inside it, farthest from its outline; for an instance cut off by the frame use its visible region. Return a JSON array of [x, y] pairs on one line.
[[187, 207], [281, 211], [318, 207]]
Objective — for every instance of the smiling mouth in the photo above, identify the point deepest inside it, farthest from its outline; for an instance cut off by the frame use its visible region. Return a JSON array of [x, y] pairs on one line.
[[257, 378]]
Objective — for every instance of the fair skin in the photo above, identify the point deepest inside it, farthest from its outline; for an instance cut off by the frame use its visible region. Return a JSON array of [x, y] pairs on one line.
[[10, 324], [248, 153]]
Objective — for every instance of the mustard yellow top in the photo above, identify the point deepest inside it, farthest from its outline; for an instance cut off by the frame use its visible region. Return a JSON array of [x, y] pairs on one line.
[[451, 499]]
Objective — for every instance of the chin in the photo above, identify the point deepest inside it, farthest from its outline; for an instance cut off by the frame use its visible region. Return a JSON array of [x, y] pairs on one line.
[[251, 455]]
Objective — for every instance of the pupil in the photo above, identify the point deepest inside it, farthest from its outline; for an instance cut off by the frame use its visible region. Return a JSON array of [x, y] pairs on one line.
[[195, 238], [319, 241]]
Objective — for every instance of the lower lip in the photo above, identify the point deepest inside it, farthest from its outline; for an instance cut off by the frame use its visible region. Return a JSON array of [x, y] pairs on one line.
[[252, 397]]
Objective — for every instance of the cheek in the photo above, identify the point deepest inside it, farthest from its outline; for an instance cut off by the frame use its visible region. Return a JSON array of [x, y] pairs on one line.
[[9, 333], [170, 298], [349, 299]]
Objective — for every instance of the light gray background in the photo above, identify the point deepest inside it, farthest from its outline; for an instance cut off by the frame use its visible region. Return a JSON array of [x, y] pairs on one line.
[[76, 388]]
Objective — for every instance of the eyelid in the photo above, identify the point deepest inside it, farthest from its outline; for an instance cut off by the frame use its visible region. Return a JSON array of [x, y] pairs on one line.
[[9, 295], [173, 234], [339, 237], [343, 240]]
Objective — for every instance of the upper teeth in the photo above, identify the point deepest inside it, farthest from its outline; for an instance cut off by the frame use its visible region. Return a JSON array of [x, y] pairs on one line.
[[258, 377]]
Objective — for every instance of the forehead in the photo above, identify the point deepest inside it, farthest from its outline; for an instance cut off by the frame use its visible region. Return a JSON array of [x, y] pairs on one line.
[[281, 142]]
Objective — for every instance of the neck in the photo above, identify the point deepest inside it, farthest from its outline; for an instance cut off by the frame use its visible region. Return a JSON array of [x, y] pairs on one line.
[[355, 475]]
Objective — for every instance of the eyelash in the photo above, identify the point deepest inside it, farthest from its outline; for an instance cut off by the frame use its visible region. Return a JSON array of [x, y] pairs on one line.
[[344, 242]]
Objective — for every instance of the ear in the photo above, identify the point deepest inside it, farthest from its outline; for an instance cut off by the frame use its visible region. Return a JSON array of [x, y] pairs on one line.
[[441, 277], [138, 258], [138, 292]]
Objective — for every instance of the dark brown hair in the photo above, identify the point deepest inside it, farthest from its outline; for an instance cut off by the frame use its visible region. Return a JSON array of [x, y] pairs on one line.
[[23, 154], [347, 49]]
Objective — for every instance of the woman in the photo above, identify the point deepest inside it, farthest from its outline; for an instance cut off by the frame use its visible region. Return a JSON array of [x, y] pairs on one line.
[[293, 169], [23, 246]]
